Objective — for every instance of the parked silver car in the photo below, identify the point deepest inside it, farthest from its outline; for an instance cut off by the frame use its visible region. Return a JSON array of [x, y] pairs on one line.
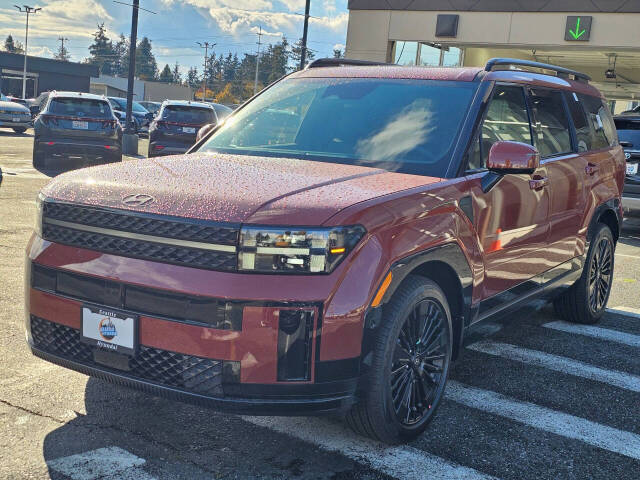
[[13, 115]]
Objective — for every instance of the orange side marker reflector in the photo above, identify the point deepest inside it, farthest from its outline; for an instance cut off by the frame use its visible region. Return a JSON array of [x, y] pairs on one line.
[[497, 244], [382, 290], [338, 250]]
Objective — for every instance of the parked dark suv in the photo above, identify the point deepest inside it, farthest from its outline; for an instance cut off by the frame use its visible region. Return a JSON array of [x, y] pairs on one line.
[[175, 127], [328, 249], [628, 127], [76, 124]]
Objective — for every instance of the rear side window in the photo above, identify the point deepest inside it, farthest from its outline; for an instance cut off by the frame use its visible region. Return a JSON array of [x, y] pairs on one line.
[[580, 122], [190, 115], [506, 120], [80, 107], [603, 131], [552, 124]]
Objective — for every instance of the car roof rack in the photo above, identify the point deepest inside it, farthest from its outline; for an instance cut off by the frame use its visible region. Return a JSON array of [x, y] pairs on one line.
[[561, 71], [343, 62]]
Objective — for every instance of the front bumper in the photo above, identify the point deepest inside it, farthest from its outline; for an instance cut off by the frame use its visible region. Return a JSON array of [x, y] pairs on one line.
[[291, 405], [11, 124], [97, 278]]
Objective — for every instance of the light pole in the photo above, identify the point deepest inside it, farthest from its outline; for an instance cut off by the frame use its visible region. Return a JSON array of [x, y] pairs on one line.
[[28, 10], [255, 82], [303, 52], [206, 46]]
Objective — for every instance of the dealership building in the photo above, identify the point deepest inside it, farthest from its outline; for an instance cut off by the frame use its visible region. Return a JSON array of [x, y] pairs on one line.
[[598, 37]]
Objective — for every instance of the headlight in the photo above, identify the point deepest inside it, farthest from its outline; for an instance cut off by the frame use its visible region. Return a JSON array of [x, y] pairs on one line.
[[37, 221], [296, 249]]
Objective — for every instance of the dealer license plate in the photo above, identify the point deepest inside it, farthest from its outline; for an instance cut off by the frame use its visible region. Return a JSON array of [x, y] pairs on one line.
[[80, 125], [111, 330], [632, 168], [189, 129]]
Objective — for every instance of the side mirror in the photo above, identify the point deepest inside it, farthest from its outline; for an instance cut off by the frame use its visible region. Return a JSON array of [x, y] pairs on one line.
[[513, 157], [204, 130]]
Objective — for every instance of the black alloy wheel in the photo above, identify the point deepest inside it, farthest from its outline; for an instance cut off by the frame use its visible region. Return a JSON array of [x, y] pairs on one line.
[[600, 274], [586, 300], [408, 366], [419, 362]]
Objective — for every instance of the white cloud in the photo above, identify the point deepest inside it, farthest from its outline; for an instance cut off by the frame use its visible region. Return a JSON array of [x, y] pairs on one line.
[[71, 18], [339, 46]]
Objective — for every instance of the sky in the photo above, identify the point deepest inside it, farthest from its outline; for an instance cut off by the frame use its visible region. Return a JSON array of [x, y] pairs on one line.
[[177, 25]]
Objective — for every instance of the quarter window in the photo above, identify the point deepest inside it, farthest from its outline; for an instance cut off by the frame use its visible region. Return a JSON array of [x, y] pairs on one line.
[[583, 131], [603, 131], [552, 124]]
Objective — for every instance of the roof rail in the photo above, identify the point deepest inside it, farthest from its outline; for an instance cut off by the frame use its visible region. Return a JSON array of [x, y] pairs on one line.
[[340, 62], [561, 71]]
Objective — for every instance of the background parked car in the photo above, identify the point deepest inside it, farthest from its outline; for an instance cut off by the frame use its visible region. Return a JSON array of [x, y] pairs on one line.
[[175, 128], [152, 107], [222, 111], [13, 115], [77, 124], [141, 116], [628, 127]]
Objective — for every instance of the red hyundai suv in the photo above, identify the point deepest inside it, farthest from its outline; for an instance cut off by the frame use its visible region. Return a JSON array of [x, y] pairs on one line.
[[328, 247]]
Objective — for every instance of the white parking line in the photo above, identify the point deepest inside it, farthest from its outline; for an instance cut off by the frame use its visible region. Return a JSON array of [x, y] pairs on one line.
[[627, 256], [558, 364], [626, 311], [596, 332], [103, 463], [402, 462], [563, 424]]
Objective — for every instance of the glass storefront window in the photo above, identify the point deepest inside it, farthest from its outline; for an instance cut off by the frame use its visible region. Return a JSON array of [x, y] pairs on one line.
[[417, 53], [406, 53]]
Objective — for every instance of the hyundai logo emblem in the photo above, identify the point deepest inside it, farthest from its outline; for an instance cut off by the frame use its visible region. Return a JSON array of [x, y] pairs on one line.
[[137, 199]]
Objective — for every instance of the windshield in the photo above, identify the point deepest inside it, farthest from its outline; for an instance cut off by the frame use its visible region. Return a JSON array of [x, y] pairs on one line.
[[407, 126], [77, 107], [190, 115]]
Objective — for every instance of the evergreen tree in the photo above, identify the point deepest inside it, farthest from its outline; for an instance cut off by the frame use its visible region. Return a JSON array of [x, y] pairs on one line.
[[62, 53], [146, 65], [121, 62], [166, 76], [337, 53], [276, 63], [102, 52], [296, 54], [193, 80], [177, 77], [12, 46]]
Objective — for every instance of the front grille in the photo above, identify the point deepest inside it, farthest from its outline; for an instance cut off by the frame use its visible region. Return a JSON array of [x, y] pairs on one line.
[[192, 257], [209, 234], [177, 370], [135, 222]]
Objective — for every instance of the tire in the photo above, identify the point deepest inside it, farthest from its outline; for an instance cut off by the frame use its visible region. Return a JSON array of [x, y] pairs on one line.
[[19, 129], [583, 303], [394, 382], [38, 156]]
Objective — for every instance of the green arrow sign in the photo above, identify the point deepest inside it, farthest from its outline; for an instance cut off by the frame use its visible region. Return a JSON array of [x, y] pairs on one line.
[[577, 33], [578, 29]]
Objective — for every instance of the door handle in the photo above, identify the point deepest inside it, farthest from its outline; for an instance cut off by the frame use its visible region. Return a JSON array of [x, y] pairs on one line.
[[591, 169], [538, 183]]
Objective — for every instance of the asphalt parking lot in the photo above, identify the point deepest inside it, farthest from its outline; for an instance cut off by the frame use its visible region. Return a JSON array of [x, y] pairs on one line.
[[532, 397]]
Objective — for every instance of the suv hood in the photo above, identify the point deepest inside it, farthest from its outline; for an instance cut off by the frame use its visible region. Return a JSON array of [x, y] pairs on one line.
[[232, 188]]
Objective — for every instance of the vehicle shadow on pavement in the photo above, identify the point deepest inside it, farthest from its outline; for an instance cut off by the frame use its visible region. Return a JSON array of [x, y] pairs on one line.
[[178, 440]]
